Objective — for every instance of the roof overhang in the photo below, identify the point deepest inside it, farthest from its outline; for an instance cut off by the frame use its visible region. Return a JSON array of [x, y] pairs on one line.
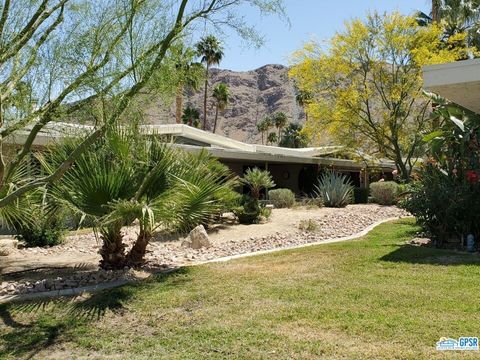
[[458, 82]]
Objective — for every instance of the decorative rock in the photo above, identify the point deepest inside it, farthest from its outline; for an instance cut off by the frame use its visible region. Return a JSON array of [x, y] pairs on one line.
[[197, 239]]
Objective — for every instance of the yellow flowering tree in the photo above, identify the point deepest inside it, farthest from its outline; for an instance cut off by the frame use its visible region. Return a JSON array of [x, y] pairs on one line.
[[366, 89]]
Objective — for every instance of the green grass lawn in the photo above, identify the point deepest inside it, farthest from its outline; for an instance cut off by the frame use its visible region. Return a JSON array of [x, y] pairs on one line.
[[370, 298]]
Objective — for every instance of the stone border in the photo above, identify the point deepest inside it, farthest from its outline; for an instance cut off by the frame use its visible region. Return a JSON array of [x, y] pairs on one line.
[[117, 283]]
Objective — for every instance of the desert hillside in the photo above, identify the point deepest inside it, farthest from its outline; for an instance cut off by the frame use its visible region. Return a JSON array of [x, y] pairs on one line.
[[253, 95]]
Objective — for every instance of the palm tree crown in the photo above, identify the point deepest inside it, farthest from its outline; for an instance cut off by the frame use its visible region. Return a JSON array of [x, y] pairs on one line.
[[221, 95], [210, 52]]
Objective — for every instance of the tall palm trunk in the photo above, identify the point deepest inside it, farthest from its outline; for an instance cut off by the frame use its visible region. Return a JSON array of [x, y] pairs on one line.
[[216, 118], [179, 104], [136, 255], [205, 100], [435, 12], [113, 249]]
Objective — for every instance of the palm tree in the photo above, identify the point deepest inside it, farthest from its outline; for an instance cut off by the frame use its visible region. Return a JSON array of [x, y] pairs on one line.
[[191, 116], [127, 177], [272, 138], [303, 98], [280, 119], [257, 180], [263, 126], [220, 94], [211, 53], [293, 137], [191, 73], [455, 16], [188, 74]]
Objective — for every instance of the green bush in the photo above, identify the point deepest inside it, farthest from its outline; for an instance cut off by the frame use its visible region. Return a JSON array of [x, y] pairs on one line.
[[447, 207], [248, 211], [360, 195], [384, 192], [282, 198], [335, 190], [42, 231]]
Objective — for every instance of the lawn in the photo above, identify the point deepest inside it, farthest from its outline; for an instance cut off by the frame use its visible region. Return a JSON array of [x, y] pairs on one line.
[[370, 298]]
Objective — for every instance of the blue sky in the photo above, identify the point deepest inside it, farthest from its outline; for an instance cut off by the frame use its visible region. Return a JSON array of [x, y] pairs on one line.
[[318, 19]]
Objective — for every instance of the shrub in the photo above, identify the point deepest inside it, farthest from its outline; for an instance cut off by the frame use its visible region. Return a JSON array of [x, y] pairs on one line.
[[335, 190], [42, 230], [311, 202], [445, 206], [308, 225], [257, 180], [282, 198], [248, 211], [384, 192], [360, 195]]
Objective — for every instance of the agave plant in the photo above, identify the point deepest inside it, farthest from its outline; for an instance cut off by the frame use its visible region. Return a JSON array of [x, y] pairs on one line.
[[126, 178], [335, 189]]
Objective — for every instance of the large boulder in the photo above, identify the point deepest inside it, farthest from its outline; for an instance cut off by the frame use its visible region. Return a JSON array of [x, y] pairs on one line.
[[197, 238]]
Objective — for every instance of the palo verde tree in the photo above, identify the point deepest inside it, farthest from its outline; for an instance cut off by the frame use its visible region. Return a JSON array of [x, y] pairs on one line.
[[58, 57], [366, 90]]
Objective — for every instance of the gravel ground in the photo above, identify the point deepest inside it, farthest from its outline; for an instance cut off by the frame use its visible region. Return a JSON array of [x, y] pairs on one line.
[[80, 252]]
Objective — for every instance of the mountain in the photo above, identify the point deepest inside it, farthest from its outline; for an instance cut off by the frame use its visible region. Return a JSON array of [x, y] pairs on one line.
[[253, 95]]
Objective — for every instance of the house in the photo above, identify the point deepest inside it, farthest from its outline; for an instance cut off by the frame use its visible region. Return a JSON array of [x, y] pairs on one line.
[[295, 169], [458, 82]]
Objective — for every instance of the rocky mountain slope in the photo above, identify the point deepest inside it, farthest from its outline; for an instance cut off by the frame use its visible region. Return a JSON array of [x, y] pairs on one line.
[[253, 95]]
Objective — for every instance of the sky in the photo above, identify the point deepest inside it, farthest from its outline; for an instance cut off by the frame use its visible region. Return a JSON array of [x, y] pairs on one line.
[[309, 19]]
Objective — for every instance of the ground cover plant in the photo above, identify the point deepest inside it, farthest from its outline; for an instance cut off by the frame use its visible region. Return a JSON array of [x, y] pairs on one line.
[[373, 296]]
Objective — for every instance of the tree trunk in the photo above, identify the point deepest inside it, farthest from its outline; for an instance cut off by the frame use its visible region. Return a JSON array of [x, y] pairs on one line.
[[401, 166], [205, 100], [179, 104], [136, 255], [216, 117], [112, 251], [435, 13]]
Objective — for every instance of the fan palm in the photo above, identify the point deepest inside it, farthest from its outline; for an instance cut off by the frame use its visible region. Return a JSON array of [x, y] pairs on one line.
[[126, 178], [191, 116], [257, 180], [220, 94], [211, 53], [263, 126], [189, 74], [280, 119], [455, 16]]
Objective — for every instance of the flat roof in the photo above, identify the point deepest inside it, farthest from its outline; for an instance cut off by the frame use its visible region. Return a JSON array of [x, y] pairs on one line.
[[219, 146], [457, 81]]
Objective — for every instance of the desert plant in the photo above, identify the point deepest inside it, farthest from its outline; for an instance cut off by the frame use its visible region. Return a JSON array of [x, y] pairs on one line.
[[384, 192], [309, 225], [124, 178], [43, 222], [282, 198], [248, 210], [311, 202], [335, 189], [257, 180], [360, 195]]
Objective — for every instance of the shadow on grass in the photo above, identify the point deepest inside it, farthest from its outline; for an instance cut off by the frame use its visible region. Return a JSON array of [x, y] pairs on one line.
[[36, 325], [427, 255]]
